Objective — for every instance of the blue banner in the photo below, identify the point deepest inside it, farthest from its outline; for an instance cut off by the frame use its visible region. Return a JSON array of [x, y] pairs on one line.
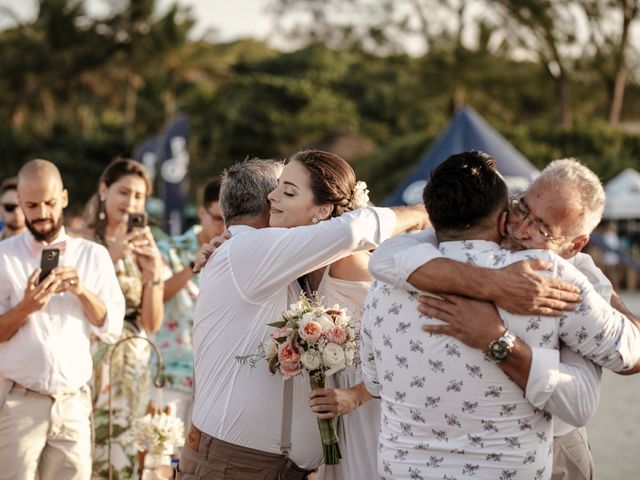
[[166, 155]]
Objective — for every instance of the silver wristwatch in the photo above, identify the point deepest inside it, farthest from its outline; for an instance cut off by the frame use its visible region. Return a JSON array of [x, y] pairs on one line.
[[501, 347]]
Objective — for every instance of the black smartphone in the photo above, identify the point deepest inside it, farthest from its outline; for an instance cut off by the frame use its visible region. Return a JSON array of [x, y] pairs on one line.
[[48, 262], [136, 220]]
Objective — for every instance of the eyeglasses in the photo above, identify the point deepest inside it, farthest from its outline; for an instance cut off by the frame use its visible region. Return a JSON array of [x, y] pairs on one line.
[[9, 207], [537, 230]]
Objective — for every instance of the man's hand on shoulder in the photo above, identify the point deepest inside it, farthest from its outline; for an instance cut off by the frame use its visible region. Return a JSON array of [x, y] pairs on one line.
[[520, 289], [410, 218], [474, 322], [207, 250]]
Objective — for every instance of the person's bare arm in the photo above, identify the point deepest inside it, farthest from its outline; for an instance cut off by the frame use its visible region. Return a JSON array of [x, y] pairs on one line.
[[207, 249], [151, 266], [518, 288], [93, 308], [36, 297], [413, 217], [550, 381], [333, 402], [413, 261], [176, 283], [476, 324]]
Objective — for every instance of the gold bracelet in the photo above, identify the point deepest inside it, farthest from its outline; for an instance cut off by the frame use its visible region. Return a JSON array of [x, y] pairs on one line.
[[152, 283]]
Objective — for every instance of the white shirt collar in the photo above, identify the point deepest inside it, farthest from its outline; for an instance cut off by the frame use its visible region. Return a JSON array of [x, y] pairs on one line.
[[62, 235], [485, 245]]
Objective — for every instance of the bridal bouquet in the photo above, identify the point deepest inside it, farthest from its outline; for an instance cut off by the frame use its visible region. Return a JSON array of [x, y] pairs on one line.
[[316, 339]]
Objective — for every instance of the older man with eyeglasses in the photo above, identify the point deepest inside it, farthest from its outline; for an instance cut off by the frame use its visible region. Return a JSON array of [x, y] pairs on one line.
[[10, 212], [556, 213]]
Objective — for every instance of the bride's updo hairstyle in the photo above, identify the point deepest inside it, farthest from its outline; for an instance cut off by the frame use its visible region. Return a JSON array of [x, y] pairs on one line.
[[332, 179]]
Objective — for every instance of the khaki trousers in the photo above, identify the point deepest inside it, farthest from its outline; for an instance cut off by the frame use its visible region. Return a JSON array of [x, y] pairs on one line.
[[45, 437], [206, 458], [572, 456]]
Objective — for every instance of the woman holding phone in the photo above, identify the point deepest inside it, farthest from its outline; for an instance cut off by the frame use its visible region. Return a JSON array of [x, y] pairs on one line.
[[119, 223]]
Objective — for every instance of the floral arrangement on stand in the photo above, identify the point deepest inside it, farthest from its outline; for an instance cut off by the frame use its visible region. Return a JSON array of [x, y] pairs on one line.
[[158, 434], [315, 339]]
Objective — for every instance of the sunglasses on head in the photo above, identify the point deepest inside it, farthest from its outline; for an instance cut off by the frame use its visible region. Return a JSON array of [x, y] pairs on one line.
[[9, 207]]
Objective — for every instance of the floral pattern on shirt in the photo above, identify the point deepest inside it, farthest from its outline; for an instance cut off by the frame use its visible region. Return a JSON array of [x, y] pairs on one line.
[[450, 413], [174, 337]]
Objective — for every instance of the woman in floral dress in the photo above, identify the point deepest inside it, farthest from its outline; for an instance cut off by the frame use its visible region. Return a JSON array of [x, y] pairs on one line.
[[123, 189]]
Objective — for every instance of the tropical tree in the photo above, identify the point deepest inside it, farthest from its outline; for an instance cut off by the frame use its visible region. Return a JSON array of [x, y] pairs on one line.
[[612, 45]]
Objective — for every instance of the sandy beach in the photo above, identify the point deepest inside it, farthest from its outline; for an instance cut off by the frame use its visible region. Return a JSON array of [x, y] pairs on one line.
[[614, 431]]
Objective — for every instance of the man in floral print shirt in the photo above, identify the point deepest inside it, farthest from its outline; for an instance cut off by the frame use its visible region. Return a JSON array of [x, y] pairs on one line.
[[180, 294], [557, 212], [448, 412]]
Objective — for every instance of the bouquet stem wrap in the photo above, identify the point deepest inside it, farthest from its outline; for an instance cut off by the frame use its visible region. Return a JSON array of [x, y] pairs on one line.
[[328, 428]]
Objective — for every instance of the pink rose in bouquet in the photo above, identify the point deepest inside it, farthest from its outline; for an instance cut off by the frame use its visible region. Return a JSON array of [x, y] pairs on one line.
[[287, 354], [282, 332], [310, 332], [336, 334], [319, 340]]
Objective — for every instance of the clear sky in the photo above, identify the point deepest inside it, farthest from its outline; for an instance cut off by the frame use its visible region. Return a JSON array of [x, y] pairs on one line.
[[230, 18]]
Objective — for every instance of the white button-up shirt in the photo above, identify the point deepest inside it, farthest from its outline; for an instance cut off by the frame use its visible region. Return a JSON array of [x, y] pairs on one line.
[[564, 383], [444, 402], [248, 283], [50, 352]]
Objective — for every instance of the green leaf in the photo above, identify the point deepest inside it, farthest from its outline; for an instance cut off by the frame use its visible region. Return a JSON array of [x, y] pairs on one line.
[[279, 324]]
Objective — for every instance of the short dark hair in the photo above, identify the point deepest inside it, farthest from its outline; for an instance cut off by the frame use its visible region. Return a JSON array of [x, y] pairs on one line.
[[211, 191], [8, 184], [464, 191]]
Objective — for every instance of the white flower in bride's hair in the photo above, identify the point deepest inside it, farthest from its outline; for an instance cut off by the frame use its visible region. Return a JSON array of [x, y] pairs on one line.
[[360, 196], [311, 359]]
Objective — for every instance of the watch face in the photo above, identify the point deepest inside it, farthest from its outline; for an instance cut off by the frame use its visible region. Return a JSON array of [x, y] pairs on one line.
[[499, 350]]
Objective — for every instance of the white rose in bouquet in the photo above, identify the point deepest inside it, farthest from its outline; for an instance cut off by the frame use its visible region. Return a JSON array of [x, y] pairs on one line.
[[334, 358], [343, 320], [270, 348], [311, 359], [325, 321], [294, 310], [306, 318]]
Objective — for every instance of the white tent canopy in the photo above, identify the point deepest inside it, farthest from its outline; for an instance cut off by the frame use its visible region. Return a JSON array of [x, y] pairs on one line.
[[623, 196]]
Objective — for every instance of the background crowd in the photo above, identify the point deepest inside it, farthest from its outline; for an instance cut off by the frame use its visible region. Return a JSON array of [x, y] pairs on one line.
[[160, 290]]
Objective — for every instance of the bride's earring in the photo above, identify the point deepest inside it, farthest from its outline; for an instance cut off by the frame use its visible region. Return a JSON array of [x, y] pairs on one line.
[[101, 207], [314, 220]]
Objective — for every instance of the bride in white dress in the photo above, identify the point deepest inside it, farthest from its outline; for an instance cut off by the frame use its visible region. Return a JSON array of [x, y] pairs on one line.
[[316, 186], [357, 430]]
